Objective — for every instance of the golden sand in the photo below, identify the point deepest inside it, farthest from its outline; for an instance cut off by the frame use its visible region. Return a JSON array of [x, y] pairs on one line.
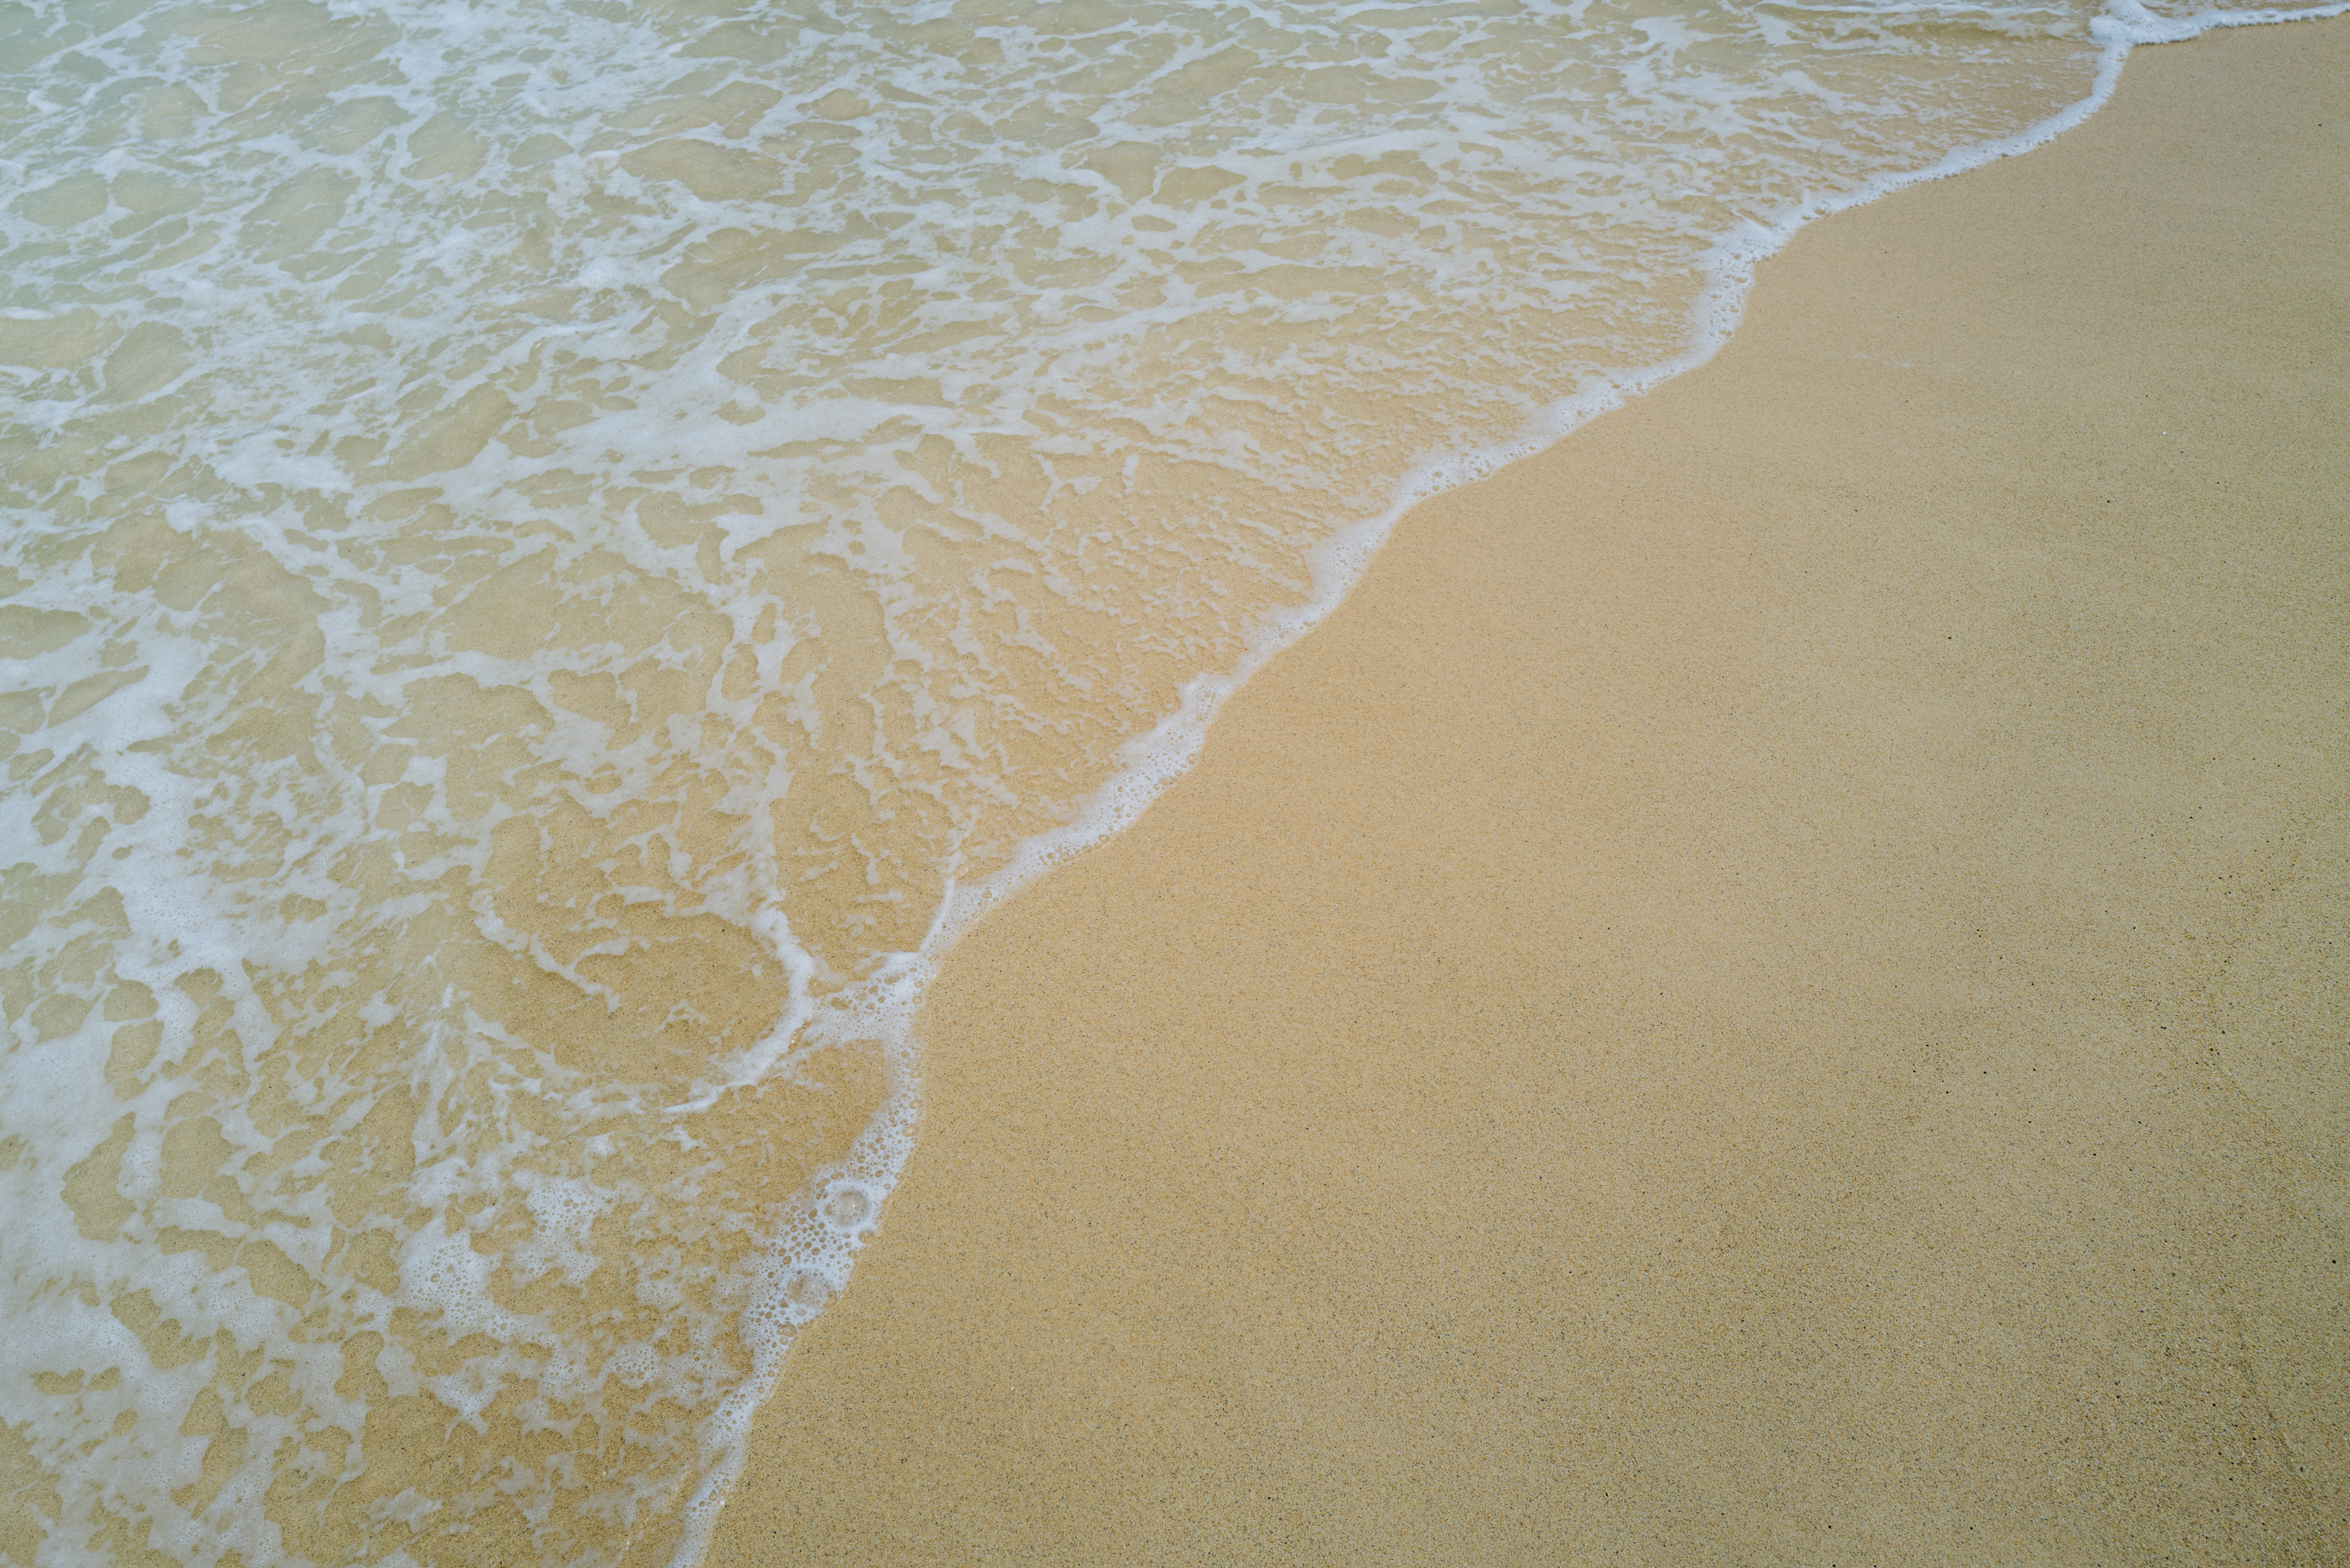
[[1768, 990]]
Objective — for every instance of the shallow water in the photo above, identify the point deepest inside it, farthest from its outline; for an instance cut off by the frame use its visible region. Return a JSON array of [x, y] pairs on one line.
[[556, 552]]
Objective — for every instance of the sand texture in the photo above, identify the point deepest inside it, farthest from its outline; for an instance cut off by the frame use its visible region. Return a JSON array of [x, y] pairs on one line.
[[1769, 990]]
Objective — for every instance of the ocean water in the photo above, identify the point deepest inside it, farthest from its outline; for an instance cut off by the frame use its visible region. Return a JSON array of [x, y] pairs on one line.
[[557, 551]]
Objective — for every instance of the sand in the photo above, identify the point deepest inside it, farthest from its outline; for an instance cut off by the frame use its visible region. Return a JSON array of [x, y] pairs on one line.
[[1769, 990]]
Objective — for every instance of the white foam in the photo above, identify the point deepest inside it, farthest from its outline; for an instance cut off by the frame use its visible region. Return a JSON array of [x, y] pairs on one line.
[[1155, 761], [1114, 278]]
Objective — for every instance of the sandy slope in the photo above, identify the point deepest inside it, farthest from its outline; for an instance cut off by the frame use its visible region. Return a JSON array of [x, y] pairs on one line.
[[1769, 990]]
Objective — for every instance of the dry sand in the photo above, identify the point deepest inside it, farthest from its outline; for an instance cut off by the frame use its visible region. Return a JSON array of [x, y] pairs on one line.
[[1768, 990]]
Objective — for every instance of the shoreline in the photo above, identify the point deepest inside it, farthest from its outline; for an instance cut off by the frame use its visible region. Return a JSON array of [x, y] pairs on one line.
[[1145, 1095]]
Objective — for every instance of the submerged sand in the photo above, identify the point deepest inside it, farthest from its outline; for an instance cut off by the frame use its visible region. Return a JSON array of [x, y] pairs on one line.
[[1770, 989]]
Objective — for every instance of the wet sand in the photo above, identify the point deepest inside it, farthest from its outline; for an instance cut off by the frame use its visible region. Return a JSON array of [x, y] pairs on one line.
[[1769, 990]]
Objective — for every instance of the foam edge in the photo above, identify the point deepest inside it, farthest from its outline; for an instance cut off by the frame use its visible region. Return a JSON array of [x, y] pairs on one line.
[[884, 1006]]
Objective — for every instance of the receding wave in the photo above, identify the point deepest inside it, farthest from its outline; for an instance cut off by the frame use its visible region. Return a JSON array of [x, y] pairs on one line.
[[547, 541]]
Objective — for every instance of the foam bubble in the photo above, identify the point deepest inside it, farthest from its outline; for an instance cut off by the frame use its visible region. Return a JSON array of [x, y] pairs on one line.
[[849, 1207]]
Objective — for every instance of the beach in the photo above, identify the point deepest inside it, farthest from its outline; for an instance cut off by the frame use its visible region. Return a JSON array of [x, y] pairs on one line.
[[1767, 989]]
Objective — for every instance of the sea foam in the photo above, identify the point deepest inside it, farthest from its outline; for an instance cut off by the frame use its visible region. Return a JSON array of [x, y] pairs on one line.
[[560, 553]]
